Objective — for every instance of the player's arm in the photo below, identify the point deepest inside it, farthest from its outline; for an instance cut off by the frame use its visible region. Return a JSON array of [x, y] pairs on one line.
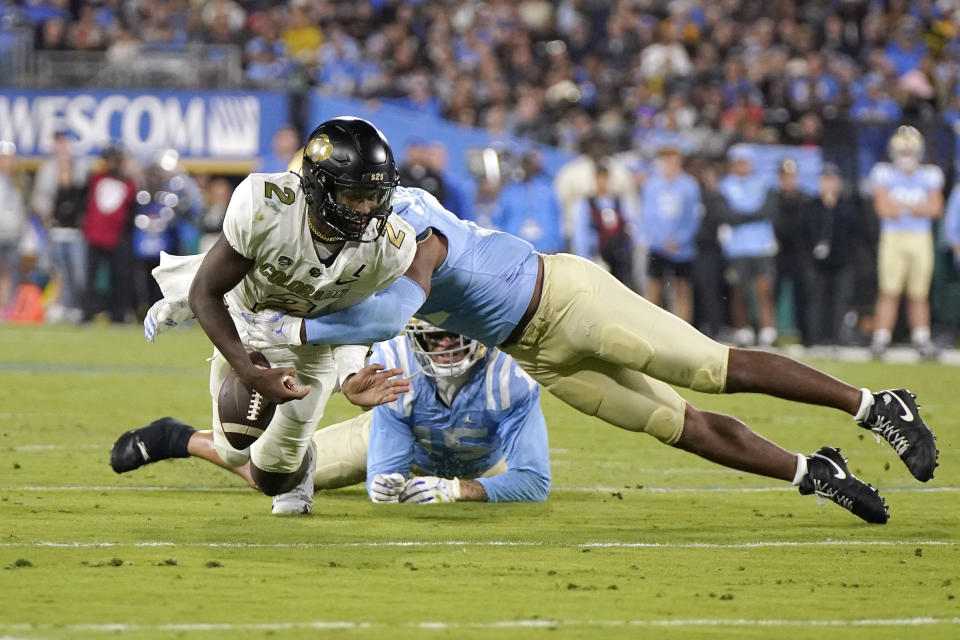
[[384, 314], [932, 205], [389, 455], [725, 214], [524, 437], [884, 204], [221, 270]]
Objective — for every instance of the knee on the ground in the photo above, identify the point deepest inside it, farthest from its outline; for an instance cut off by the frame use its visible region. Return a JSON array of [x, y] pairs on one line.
[[232, 456]]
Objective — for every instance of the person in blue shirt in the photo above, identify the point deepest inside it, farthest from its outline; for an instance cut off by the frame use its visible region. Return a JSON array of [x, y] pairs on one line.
[[672, 210], [469, 429], [750, 249], [603, 350], [529, 208]]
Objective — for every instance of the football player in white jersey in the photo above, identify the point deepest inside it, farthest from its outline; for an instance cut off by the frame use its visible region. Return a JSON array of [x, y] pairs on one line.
[[303, 244], [907, 197]]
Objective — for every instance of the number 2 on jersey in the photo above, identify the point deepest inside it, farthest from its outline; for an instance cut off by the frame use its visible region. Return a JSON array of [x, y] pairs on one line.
[[286, 196]]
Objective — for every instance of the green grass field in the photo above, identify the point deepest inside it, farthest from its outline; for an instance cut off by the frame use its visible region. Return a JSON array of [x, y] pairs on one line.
[[636, 539]]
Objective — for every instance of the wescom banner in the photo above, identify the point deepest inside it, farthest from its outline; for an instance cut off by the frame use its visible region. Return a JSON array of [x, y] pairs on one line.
[[207, 125]]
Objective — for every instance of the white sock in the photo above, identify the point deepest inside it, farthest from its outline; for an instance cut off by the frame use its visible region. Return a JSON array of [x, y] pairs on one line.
[[801, 469], [881, 337], [920, 335], [866, 401]]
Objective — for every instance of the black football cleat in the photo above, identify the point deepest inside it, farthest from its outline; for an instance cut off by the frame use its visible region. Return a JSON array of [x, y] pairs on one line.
[[829, 479], [159, 440], [895, 418]]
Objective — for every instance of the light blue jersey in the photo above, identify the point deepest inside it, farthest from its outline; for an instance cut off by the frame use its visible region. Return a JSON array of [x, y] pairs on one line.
[[745, 195], [907, 189], [496, 415], [671, 211], [485, 284]]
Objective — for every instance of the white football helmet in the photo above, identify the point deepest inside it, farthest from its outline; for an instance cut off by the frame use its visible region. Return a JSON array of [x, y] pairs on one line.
[[442, 353], [906, 148]]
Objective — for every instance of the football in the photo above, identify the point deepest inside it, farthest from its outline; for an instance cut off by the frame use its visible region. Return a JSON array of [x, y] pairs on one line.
[[244, 414]]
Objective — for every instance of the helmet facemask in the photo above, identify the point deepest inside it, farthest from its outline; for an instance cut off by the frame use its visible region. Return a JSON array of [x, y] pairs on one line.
[[334, 199], [442, 354]]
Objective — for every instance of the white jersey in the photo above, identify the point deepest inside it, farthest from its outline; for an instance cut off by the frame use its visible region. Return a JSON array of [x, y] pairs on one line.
[[266, 221]]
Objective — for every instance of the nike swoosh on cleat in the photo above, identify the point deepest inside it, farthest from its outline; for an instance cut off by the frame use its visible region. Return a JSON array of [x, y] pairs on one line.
[[907, 414], [839, 475]]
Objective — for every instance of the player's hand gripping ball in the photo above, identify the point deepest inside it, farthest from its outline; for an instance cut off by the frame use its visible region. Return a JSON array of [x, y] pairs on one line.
[[244, 414]]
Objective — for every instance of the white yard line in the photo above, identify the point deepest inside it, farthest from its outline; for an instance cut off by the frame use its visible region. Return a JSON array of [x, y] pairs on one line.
[[603, 489], [486, 543], [441, 625]]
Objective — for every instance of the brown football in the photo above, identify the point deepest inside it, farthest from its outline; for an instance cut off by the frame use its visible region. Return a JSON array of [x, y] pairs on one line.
[[244, 414]]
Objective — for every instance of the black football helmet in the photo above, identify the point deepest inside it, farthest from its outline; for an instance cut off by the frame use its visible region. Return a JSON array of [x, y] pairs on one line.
[[347, 162]]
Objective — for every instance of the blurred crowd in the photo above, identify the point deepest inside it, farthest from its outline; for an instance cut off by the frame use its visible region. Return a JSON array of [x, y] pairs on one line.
[[637, 71], [660, 100]]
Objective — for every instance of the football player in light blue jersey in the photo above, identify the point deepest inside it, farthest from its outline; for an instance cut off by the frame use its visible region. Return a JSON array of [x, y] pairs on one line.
[[470, 429], [473, 414], [607, 352], [907, 197]]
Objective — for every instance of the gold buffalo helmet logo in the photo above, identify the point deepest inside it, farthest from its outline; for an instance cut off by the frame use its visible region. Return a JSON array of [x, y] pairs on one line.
[[319, 148]]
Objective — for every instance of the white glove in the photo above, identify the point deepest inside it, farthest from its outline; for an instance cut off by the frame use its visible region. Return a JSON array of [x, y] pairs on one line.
[[269, 329], [165, 314], [386, 487], [426, 489]]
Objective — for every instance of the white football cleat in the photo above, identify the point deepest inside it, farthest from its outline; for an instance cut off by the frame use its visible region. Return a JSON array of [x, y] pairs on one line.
[[300, 500]]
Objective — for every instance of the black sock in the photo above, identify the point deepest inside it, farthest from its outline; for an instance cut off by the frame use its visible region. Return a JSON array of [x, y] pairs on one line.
[[166, 438]]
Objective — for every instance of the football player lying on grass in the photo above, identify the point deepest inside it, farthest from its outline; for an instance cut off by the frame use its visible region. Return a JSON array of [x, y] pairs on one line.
[[472, 414]]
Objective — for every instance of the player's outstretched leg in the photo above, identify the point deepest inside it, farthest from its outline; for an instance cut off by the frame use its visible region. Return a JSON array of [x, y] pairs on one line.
[[828, 478], [890, 414], [895, 417], [161, 439], [299, 501], [727, 441]]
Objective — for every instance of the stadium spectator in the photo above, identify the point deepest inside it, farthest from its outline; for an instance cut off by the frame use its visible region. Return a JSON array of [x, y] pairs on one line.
[[216, 197], [672, 208], [107, 228], [302, 36], [907, 197], [749, 249], [416, 170], [13, 223], [577, 180], [606, 229], [283, 145], [789, 206], [951, 224], [529, 208], [828, 232], [708, 263], [59, 198]]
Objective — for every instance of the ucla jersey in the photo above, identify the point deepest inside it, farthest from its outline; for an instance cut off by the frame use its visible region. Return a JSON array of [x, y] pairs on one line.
[[485, 284], [266, 221], [906, 189], [495, 415]]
